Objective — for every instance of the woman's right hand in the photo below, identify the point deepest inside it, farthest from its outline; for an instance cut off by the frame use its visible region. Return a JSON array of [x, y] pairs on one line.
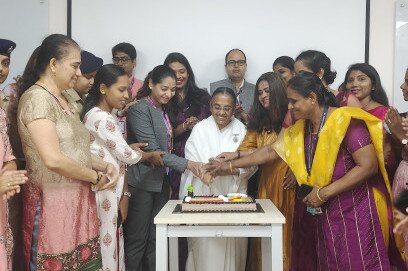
[[227, 156], [10, 181]]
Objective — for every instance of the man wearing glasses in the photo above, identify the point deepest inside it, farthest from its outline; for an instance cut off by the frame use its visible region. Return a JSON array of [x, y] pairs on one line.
[[235, 67], [124, 55]]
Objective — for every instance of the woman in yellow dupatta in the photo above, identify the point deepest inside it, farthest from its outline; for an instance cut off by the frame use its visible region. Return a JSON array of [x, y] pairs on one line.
[[336, 154], [265, 122]]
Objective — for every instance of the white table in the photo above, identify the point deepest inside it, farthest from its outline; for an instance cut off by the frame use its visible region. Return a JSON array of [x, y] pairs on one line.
[[267, 225]]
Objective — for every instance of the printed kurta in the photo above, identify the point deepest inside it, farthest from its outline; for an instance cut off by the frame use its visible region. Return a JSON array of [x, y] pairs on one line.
[[108, 143], [67, 222]]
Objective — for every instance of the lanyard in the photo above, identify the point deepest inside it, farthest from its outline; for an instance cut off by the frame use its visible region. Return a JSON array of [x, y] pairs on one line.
[[310, 152], [167, 122]]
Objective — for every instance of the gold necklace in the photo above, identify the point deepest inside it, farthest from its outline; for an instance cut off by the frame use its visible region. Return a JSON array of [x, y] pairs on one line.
[[60, 101]]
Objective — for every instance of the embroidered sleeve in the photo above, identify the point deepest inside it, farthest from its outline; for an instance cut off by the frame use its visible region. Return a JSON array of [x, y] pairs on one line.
[[8, 152]]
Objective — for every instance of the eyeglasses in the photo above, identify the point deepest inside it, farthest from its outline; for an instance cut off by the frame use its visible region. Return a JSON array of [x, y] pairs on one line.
[[116, 60], [236, 62], [218, 108]]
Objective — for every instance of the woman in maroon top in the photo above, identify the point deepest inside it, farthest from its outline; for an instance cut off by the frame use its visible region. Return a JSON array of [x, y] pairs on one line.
[[189, 106]]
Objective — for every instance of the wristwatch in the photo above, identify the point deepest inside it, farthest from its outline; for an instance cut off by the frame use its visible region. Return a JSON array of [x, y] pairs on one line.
[[127, 194], [404, 141]]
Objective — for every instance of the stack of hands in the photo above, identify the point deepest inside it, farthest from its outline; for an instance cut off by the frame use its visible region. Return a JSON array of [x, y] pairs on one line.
[[220, 166], [10, 182]]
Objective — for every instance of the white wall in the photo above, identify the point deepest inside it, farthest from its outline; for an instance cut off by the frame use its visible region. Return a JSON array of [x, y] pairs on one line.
[[382, 36], [19, 25], [382, 32], [58, 17]]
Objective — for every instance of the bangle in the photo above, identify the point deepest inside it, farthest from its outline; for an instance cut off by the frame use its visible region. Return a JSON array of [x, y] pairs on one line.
[[98, 178], [238, 154], [127, 194], [230, 166], [318, 195]]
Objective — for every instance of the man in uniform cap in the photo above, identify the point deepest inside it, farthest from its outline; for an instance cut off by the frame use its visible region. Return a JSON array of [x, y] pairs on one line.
[[89, 66], [6, 47]]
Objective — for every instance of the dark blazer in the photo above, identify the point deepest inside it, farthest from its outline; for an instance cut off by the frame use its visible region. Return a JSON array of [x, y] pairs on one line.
[[247, 92], [145, 124]]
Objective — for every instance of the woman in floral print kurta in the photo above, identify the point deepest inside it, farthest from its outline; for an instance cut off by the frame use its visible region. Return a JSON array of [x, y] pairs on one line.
[[110, 92]]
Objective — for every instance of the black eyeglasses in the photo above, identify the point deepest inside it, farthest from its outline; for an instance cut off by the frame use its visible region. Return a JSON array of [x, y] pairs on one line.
[[236, 62], [116, 60]]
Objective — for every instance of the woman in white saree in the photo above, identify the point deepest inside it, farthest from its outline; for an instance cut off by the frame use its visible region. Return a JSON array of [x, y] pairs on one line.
[[221, 132]]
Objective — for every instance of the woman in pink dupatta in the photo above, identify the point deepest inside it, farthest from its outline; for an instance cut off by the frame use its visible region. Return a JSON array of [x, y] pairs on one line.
[[364, 82], [8, 187]]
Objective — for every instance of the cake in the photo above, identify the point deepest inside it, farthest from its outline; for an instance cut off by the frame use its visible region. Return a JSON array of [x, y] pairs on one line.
[[229, 203]]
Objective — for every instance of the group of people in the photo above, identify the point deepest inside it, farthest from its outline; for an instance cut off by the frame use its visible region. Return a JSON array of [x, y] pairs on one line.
[[96, 154]]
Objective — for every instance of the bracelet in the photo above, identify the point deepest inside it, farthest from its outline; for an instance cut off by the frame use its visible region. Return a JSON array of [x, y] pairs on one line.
[[238, 154], [98, 178], [318, 196], [127, 194], [230, 166]]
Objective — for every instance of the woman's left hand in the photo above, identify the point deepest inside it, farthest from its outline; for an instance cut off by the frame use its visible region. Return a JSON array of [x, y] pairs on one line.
[[123, 207], [394, 122], [217, 168], [312, 200]]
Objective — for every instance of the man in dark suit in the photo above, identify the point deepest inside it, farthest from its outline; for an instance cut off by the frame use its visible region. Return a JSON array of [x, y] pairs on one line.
[[235, 67]]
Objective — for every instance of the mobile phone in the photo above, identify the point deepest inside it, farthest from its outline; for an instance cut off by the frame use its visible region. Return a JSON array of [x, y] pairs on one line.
[[303, 191]]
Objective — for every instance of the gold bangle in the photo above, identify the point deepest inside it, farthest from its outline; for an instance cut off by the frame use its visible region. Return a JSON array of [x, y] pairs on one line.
[[318, 196], [230, 164]]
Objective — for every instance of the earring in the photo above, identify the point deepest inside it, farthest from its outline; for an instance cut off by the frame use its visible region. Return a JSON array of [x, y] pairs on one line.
[[103, 92]]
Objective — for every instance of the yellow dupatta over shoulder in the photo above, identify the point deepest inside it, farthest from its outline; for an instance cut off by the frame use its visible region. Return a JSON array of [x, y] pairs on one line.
[[290, 147]]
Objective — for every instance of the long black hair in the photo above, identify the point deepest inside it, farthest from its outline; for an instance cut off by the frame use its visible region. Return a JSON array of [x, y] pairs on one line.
[[305, 83], [54, 46], [377, 93], [271, 118], [156, 75], [193, 94], [108, 75], [316, 60]]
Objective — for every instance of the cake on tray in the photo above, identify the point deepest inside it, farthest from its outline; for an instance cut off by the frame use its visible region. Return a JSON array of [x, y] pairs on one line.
[[230, 203]]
